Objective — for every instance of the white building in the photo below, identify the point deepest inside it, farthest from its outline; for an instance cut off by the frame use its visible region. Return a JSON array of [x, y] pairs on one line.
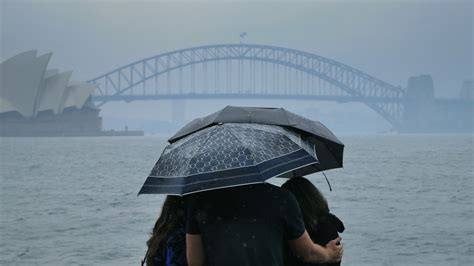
[[35, 100], [28, 88]]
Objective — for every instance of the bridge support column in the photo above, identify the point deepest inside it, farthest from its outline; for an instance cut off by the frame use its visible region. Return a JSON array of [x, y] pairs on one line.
[[419, 104]]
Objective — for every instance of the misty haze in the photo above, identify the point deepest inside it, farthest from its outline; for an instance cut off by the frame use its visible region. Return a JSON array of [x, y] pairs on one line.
[[91, 92]]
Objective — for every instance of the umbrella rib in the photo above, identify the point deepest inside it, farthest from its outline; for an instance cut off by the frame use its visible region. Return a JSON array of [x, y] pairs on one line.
[[240, 167], [230, 132], [243, 144], [238, 176], [202, 144], [263, 130], [256, 129]]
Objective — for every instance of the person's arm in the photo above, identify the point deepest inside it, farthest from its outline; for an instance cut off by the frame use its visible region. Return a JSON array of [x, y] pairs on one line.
[[194, 246], [304, 248], [298, 238], [195, 250]]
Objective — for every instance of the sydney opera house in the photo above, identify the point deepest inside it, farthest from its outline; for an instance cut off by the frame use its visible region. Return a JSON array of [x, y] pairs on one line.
[[36, 101]]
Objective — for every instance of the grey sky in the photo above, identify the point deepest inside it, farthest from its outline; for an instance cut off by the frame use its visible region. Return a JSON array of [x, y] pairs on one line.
[[390, 40]]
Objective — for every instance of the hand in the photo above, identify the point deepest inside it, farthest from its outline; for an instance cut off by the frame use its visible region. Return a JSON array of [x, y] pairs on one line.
[[335, 250]]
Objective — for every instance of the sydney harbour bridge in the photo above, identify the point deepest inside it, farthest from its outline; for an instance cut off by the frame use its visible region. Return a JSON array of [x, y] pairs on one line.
[[248, 71]]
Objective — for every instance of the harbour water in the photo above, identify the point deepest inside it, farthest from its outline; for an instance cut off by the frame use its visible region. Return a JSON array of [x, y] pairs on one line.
[[405, 199]]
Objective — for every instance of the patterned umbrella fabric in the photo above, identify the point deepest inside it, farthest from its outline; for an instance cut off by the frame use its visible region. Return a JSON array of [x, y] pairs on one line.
[[330, 147], [231, 154]]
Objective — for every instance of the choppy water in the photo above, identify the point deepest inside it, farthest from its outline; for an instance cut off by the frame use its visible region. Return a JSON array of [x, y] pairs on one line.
[[405, 200]]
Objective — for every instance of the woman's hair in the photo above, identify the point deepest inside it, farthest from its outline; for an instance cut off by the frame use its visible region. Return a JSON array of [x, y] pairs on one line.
[[312, 203], [172, 216]]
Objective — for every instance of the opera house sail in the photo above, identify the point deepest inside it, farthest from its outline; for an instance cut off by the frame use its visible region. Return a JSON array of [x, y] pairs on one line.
[[52, 93], [20, 78], [36, 101]]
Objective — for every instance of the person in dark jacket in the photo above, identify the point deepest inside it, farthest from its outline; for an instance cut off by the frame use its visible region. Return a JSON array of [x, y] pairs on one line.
[[167, 244], [250, 225], [321, 225]]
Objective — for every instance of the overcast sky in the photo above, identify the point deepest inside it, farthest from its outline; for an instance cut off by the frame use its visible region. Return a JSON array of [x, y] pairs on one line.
[[390, 40]]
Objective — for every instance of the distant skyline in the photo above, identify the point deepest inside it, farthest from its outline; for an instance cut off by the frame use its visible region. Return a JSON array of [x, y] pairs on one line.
[[390, 40]]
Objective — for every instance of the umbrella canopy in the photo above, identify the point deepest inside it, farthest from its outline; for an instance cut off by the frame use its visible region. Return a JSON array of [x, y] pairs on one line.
[[330, 150], [231, 154]]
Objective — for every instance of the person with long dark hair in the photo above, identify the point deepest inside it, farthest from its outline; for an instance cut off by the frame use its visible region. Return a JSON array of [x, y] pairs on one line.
[[167, 244], [322, 226]]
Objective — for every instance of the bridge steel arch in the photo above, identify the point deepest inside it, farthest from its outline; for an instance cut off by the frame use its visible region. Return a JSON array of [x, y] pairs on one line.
[[389, 100]]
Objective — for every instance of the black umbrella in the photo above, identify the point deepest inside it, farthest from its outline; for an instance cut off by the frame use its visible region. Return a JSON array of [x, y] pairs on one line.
[[330, 148], [231, 154]]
